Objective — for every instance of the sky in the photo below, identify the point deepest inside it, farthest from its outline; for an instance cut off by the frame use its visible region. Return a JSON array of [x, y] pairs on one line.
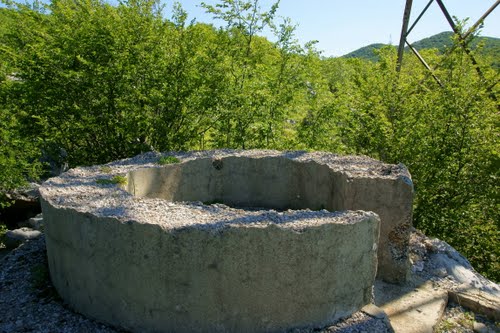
[[342, 26]]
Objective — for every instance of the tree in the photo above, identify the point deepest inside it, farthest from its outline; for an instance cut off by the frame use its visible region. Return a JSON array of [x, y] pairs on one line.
[[19, 157], [444, 135], [243, 104]]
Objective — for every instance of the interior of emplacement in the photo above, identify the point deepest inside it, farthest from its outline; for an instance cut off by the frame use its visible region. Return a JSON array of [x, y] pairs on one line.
[[269, 182]]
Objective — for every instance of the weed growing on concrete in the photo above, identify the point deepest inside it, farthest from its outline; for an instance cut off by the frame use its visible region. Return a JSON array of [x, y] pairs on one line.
[[456, 320], [168, 160], [120, 180], [105, 169]]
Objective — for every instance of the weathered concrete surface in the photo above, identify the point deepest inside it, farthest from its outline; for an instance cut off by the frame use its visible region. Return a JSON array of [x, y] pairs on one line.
[[375, 312], [290, 182], [134, 259], [411, 309], [257, 277]]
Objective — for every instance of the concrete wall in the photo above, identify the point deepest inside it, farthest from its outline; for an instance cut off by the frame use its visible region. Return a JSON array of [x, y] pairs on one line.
[[283, 183], [270, 182], [260, 277]]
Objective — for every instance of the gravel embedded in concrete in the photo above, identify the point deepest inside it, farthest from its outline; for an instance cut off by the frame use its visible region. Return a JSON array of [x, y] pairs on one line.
[[77, 189]]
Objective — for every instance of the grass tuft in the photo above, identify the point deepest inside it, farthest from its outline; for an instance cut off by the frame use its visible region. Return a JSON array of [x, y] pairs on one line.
[[168, 160], [120, 180], [105, 169]]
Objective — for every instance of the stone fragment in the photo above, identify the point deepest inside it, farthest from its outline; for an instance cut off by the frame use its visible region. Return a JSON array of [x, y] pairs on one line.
[[36, 222], [376, 312], [25, 203], [477, 301], [13, 238], [411, 310], [482, 328], [448, 262]]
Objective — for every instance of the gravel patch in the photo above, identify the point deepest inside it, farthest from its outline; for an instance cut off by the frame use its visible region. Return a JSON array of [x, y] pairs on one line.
[[456, 319], [29, 303]]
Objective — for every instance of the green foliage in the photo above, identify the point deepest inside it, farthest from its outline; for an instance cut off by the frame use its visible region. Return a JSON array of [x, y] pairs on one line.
[[120, 180], [18, 156], [440, 42], [168, 160], [461, 321], [262, 80]]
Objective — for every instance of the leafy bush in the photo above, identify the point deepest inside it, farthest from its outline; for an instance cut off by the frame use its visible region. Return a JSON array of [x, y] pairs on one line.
[[19, 156]]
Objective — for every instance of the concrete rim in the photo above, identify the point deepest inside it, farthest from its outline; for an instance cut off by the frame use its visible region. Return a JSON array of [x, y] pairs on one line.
[[77, 189]]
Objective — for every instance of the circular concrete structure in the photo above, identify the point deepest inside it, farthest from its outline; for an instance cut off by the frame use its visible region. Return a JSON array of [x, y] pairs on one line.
[[223, 241]]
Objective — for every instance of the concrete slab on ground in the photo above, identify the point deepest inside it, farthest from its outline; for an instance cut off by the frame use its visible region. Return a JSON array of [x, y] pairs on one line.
[[413, 308], [477, 301]]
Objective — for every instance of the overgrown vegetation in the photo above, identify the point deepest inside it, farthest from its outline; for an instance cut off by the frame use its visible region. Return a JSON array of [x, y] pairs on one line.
[[103, 82]]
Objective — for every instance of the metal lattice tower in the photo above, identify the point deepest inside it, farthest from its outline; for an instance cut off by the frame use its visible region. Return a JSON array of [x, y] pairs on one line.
[[405, 31]]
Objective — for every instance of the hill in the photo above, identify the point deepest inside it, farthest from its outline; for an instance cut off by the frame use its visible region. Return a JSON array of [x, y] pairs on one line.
[[366, 52], [441, 41]]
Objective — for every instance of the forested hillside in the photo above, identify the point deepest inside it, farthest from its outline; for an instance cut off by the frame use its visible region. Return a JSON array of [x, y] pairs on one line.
[[487, 47], [85, 82], [444, 40], [369, 52]]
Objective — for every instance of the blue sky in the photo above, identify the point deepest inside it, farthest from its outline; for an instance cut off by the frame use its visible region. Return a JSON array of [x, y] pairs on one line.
[[342, 26]]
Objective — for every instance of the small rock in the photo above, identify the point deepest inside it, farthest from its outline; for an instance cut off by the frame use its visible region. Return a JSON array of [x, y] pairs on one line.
[[374, 311], [481, 328], [441, 272], [418, 266], [13, 238], [25, 204], [36, 222]]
